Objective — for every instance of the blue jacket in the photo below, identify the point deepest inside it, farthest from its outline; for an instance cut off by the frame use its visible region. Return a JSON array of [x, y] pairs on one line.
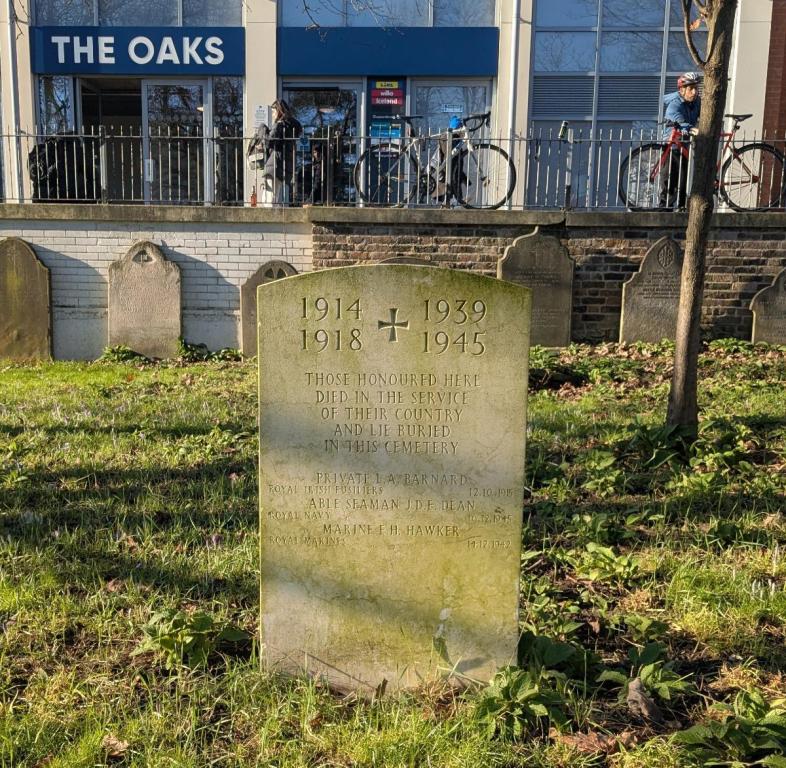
[[684, 113]]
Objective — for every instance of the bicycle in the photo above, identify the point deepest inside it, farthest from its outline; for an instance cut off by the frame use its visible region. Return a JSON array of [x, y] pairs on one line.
[[477, 174], [748, 178]]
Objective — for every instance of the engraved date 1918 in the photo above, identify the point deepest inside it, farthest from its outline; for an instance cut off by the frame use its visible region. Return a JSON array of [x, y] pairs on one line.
[[323, 309]]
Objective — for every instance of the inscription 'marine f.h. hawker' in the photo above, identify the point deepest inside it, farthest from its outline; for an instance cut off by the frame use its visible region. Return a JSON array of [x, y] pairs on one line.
[[391, 473]]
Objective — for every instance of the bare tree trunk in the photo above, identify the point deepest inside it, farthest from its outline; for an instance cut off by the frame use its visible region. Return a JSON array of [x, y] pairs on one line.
[[683, 404]]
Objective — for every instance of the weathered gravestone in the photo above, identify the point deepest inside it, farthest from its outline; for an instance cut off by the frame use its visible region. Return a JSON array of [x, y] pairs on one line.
[[541, 263], [392, 428], [25, 320], [272, 270], [651, 297], [144, 302], [769, 312]]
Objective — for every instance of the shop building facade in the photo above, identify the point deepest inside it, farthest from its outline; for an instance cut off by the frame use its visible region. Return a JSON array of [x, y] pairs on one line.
[[173, 89]]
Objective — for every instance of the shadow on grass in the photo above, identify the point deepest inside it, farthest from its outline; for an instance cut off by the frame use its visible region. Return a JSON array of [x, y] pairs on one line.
[[178, 430]]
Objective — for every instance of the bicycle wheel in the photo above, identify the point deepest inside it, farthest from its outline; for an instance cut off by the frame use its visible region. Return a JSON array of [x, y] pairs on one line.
[[483, 177], [642, 174], [384, 175], [753, 179]]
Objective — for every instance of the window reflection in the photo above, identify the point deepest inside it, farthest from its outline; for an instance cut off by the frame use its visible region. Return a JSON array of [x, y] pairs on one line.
[[218, 13], [631, 51], [461, 13], [56, 104], [437, 103], [567, 13], [679, 58], [64, 12], [677, 14], [565, 51], [327, 13], [633, 13], [127, 13], [387, 13]]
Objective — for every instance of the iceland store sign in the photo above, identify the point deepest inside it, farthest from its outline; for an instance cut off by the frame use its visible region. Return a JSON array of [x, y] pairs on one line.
[[138, 50]]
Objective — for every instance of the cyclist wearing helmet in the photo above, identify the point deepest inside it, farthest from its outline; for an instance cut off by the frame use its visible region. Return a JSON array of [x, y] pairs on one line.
[[682, 109]]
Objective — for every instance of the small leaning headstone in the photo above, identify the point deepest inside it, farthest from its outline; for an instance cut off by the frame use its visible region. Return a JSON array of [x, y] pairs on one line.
[[25, 315], [650, 299], [392, 432], [769, 312], [272, 270], [144, 302], [540, 262]]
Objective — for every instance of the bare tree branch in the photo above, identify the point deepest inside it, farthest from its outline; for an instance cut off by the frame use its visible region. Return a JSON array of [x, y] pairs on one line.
[[694, 51]]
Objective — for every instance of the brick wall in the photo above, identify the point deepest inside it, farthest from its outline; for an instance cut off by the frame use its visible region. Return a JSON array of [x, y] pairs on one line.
[[218, 249], [775, 94], [608, 249]]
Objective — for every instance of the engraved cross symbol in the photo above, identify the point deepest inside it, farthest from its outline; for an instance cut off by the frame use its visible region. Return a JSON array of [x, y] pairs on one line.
[[393, 325]]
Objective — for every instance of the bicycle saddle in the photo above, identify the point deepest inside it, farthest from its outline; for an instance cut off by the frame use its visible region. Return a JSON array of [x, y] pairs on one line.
[[739, 118]]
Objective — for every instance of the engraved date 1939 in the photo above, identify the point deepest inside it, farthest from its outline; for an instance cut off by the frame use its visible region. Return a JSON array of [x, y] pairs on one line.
[[463, 313]]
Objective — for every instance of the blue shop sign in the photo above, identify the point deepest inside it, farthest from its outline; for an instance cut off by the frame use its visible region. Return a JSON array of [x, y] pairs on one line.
[[138, 50]]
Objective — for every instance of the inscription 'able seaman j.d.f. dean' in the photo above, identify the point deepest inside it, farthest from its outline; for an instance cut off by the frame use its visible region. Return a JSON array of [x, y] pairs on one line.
[[392, 425]]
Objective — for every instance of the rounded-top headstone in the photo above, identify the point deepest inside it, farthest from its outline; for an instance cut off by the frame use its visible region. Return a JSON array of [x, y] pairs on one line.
[[271, 270], [769, 312], [144, 302], [25, 317]]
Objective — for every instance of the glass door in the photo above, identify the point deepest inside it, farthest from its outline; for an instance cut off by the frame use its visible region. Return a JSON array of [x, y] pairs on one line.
[[328, 148], [437, 102], [176, 118]]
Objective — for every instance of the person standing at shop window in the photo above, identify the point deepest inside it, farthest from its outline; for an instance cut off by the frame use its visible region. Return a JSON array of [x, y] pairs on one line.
[[282, 152]]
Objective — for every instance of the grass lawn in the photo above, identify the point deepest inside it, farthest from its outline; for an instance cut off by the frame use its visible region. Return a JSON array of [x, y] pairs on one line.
[[128, 578]]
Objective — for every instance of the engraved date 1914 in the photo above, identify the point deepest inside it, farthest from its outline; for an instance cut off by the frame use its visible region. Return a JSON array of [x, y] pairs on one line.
[[323, 309]]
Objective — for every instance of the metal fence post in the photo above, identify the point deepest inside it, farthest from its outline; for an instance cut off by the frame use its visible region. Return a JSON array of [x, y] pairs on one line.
[[566, 136]]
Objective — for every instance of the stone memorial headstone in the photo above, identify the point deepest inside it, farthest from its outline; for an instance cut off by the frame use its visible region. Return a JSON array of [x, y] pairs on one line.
[[651, 297], [272, 270], [392, 428], [144, 302], [542, 264], [25, 317], [769, 312]]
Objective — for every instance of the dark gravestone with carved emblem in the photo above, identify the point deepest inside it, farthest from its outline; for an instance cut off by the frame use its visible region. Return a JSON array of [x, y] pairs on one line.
[[144, 302], [541, 263], [769, 312], [25, 319], [651, 297], [392, 411], [272, 270]]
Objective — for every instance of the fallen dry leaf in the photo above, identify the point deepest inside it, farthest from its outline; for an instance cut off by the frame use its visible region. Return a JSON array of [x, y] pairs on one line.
[[114, 747], [594, 743]]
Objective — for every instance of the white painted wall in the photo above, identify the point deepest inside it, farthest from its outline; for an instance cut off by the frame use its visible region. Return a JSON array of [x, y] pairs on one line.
[[214, 259], [749, 63]]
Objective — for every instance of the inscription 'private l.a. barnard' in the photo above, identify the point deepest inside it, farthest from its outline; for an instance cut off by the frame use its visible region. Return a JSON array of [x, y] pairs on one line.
[[392, 422]]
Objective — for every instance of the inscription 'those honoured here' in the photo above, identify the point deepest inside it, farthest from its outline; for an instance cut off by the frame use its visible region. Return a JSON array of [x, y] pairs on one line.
[[392, 426]]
